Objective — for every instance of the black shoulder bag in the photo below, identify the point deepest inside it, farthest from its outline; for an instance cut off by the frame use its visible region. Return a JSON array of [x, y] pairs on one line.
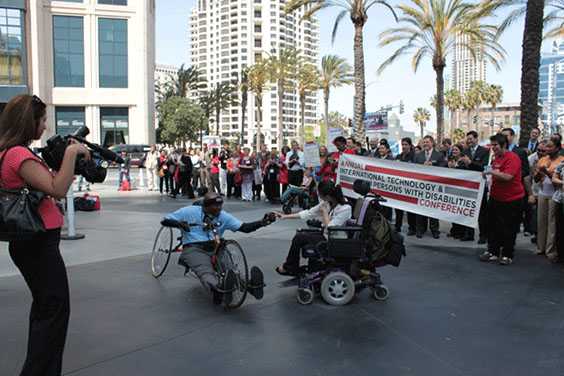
[[19, 214]]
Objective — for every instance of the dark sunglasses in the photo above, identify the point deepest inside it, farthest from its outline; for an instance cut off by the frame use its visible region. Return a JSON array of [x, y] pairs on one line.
[[36, 100]]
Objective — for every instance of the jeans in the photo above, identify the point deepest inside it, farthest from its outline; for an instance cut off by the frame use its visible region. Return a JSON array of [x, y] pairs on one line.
[[504, 219], [124, 174], [294, 191], [40, 262]]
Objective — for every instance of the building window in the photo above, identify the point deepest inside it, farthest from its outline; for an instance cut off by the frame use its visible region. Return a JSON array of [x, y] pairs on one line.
[[68, 51], [113, 52], [114, 125], [11, 47], [68, 119], [113, 2]]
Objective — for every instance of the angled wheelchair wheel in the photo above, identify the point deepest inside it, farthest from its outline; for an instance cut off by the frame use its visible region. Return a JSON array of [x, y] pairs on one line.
[[337, 288], [232, 257], [162, 249]]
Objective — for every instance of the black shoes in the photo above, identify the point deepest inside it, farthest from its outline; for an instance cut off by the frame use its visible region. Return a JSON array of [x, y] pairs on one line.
[[256, 284], [436, 235]]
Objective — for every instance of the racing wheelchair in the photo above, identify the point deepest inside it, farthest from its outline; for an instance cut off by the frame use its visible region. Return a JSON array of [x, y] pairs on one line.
[[346, 262], [228, 255]]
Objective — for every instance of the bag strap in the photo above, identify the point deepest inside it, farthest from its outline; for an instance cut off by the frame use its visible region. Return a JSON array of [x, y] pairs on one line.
[[365, 204], [39, 159]]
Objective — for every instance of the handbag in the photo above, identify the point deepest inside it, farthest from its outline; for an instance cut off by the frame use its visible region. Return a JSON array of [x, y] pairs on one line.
[[19, 211]]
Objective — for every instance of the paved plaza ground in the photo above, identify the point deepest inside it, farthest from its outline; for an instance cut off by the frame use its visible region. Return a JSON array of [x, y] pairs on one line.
[[448, 314]]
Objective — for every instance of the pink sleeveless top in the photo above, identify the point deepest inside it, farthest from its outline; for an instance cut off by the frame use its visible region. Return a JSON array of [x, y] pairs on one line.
[[11, 179]]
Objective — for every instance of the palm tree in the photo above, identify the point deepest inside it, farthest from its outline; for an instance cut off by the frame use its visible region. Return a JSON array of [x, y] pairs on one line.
[[479, 91], [282, 72], [244, 89], [357, 11], [494, 95], [225, 96], [307, 82], [335, 72], [421, 116], [206, 100], [257, 77], [469, 103], [531, 54], [187, 80], [433, 29], [453, 101]]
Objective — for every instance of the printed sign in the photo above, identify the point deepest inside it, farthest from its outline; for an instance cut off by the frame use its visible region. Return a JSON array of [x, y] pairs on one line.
[[375, 121], [447, 194], [333, 133], [311, 154]]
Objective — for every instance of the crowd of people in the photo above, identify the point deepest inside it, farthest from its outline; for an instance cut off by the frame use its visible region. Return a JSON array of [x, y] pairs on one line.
[[524, 183]]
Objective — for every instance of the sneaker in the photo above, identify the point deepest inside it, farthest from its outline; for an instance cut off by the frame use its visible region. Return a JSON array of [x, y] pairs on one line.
[[256, 284], [488, 256], [229, 282], [505, 260]]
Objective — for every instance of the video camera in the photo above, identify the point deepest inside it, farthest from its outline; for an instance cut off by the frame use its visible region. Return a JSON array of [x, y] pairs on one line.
[[93, 170]]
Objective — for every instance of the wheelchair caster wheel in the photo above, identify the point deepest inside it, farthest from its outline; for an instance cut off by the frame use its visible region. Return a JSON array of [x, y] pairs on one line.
[[380, 292], [337, 288], [305, 296]]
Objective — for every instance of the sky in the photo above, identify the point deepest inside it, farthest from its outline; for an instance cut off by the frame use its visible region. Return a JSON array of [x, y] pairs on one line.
[[397, 82]]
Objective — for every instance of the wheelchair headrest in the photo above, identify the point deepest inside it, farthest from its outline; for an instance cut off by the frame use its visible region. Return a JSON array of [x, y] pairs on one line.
[[362, 187]]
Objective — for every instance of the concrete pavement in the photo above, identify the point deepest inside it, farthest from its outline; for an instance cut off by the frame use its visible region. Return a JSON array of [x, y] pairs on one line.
[[448, 314]]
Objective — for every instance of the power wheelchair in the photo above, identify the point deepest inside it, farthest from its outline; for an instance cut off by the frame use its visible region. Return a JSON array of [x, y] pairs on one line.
[[344, 264]]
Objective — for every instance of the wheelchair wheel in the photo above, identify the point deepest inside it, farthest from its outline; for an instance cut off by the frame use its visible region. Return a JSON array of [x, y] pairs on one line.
[[162, 249], [305, 296], [380, 292], [337, 288], [232, 257]]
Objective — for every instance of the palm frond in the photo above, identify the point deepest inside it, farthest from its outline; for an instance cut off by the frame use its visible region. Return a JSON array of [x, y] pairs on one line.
[[342, 14]]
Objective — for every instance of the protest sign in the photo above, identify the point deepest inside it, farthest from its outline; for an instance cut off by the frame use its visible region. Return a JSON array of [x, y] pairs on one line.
[[311, 154], [333, 133], [447, 194]]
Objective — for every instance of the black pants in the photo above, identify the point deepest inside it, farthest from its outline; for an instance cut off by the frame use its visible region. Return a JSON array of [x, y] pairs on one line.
[[163, 180], [504, 219], [215, 183], [300, 240], [230, 184], [43, 269], [411, 220], [271, 188], [257, 189], [421, 224], [195, 178], [184, 185]]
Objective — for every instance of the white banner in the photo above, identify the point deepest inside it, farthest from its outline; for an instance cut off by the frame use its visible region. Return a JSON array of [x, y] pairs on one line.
[[311, 155], [447, 194]]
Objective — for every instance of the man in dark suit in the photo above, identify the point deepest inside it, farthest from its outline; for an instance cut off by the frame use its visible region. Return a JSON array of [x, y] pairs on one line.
[[533, 144], [475, 158], [429, 157]]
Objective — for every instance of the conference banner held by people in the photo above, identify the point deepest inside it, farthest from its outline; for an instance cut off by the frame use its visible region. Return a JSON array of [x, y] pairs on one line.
[[447, 194]]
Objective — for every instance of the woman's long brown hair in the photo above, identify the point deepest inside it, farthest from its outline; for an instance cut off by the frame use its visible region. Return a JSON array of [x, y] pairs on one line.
[[19, 120]]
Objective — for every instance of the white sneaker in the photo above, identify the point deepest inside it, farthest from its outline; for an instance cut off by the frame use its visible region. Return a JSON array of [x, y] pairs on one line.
[[488, 256], [505, 261]]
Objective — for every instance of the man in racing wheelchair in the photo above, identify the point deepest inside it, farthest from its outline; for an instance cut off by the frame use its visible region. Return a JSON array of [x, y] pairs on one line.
[[198, 246]]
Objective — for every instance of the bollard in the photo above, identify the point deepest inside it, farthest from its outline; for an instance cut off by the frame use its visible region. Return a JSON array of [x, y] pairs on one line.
[[71, 229], [141, 178]]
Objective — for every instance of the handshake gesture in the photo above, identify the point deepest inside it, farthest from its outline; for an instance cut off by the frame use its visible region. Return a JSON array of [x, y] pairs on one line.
[[269, 218]]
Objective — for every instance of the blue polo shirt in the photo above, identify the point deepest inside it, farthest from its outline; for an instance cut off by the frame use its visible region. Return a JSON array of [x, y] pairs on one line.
[[195, 215]]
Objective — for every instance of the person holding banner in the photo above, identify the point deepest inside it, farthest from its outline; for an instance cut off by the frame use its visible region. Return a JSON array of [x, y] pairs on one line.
[[332, 210], [407, 155], [429, 157], [505, 204]]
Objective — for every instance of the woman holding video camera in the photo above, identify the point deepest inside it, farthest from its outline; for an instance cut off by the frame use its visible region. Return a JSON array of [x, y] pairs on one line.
[[39, 259]]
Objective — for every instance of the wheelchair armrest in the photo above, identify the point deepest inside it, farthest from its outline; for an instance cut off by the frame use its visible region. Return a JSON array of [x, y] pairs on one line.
[[313, 230], [345, 228]]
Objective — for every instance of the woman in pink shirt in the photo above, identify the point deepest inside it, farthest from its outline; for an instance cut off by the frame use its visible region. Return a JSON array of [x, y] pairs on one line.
[[39, 259]]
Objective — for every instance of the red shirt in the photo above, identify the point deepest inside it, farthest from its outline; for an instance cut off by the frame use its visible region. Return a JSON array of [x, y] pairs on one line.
[[214, 168], [507, 191], [350, 151], [11, 179]]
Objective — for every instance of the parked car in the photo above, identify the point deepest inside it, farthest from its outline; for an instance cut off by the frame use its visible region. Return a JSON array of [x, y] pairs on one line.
[[135, 152]]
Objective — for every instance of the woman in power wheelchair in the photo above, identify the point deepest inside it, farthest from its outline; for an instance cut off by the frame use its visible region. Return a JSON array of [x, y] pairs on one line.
[[345, 260]]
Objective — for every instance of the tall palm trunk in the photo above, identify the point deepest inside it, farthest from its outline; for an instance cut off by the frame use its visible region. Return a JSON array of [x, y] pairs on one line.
[[492, 125], [280, 90], [359, 87], [469, 119], [259, 122], [530, 61], [439, 69], [243, 113], [326, 103], [422, 129], [302, 116]]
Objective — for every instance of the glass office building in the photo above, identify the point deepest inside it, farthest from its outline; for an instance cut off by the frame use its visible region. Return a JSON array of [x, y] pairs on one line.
[[551, 84]]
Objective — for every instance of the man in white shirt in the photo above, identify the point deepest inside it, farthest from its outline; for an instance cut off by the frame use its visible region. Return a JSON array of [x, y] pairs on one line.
[[295, 162]]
